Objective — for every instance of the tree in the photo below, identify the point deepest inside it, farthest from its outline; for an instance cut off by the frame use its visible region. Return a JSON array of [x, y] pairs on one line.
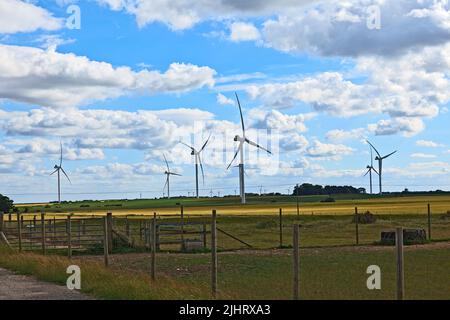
[[6, 204]]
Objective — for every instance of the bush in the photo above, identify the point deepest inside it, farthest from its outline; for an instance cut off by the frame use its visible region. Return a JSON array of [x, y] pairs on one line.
[[329, 199], [6, 204]]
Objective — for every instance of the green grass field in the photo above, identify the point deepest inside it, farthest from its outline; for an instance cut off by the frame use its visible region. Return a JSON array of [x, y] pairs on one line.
[[265, 205]]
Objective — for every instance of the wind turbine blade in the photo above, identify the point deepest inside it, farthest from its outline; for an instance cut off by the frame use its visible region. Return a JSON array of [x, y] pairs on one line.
[[190, 147], [201, 167], [367, 172], [235, 155], [167, 181], [167, 164], [371, 157], [53, 172], [204, 145], [60, 158], [66, 175], [390, 154], [257, 145], [240, 110], [373, 169], [374, 148], [174, 174]]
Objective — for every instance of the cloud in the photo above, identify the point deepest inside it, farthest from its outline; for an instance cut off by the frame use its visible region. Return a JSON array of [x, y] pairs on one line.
[[96, 128], [428, 144], [408, 89], [423, 155], [183, 14], [275, 120], [49, 78], [22, 16], [343, 135], [339, 28], [415, 170], [122, 170], [222, 100], [328, 151], [407, 126], [242, 31]]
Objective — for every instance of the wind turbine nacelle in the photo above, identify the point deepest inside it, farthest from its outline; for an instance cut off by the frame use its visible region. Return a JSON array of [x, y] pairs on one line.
[[192, 153], [55, 167], [236, 138], [377, 158], [369, 167], [165, 172]]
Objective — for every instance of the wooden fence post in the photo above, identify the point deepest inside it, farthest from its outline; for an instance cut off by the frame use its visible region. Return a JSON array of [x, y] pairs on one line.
[[298, 205], [153, 265], [295, 242], [105, 241], [214, 254], [54, 232], [281, 228], [69, 236], [109, 218], [9, 217], [429, 222], [204, 235], [400, 266], [1, 221], [44, 249], [19, 230], [182, 225], [127, 227], [357, 225], [147, 235]]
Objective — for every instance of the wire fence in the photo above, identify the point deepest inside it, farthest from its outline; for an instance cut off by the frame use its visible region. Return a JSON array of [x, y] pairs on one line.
[[188, 230]]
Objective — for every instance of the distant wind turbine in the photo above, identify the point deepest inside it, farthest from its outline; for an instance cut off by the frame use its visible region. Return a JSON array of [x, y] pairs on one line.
[[380, 159], [168, 173], [198, 161], [59, 169], [370, 169], [240, 150]]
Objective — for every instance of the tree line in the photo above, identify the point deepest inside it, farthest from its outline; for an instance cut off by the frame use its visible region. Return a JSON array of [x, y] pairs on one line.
[[308, 189]]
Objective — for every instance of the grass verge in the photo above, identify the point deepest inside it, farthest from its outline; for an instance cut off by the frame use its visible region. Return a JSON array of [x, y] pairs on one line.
[[98, 281]]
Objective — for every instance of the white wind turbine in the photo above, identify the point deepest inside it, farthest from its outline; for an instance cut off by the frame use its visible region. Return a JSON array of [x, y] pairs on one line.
[[59, 169], [198, 161], [380, 159], [168, 173], [242, 140], [370, 169]]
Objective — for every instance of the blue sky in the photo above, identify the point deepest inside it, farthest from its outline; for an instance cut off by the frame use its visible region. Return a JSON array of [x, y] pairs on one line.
[[139, 76]]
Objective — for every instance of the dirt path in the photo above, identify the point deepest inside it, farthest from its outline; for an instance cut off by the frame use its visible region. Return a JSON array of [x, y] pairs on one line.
[[18, 287]]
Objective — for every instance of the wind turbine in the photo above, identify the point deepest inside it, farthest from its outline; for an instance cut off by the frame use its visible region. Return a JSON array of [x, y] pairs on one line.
[[240, 150], [59, 169], [168, 173], [198, 161], [370, 169], [380, 159]]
